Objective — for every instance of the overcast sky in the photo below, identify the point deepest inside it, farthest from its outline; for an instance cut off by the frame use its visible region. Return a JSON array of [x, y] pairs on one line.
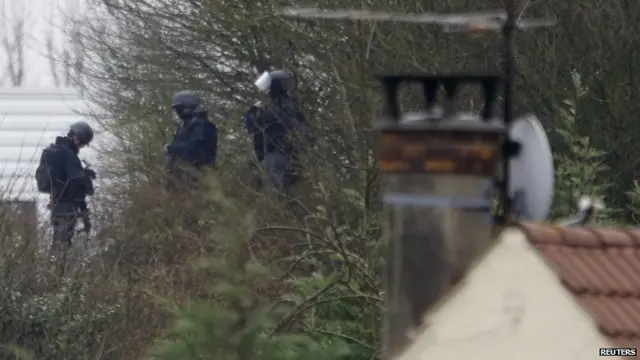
[[42, 18]]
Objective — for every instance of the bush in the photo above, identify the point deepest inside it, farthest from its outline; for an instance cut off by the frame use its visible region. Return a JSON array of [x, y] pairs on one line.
[[235, 323], [58, 324], [580, 166]]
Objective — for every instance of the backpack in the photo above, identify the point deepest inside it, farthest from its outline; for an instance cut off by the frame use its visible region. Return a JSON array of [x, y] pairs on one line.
[[46, 169]]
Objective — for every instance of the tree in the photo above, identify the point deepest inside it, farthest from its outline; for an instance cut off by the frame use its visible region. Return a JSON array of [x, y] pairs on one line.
[[64, 45], [142, 52], [13, 43], [580, 166], [327, 246]]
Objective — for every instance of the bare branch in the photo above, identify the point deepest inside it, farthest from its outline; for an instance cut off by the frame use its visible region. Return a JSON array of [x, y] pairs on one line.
[[14, 47]]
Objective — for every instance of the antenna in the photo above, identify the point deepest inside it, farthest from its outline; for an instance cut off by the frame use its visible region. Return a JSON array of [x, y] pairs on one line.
[[507, 21]]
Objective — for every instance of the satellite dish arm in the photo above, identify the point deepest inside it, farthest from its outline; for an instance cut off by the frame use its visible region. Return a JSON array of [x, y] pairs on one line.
[[580, 220]]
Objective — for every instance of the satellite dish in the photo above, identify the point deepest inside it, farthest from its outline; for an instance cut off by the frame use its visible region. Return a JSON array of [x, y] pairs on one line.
[[531, 171]]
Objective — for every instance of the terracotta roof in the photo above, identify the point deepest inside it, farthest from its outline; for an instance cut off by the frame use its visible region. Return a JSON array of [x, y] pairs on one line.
[[601, 268]]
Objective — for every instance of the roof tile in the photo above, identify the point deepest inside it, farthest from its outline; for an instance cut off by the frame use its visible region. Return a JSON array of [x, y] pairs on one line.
[[543, 234], [633, 342], [601, 268], [611, 237], [582, 237], [634, 234]]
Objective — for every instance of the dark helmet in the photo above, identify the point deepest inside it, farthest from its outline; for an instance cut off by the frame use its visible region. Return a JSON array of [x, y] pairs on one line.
[[282, 81], [186, 104], [82, 132], [186, 99]]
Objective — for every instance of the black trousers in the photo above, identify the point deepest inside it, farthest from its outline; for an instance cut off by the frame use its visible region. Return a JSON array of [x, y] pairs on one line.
[[283, 169], [64, 217]]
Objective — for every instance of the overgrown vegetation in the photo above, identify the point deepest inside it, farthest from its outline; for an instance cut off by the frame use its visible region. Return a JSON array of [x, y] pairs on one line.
[[263, 277]]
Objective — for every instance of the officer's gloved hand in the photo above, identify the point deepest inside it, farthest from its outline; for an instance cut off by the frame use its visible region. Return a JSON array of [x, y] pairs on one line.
[[90, 173], [166, 149], [255, 108]]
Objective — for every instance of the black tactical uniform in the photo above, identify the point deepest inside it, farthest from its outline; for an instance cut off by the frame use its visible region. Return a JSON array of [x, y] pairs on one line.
[[195, 143], [273, 128], [62, 176]]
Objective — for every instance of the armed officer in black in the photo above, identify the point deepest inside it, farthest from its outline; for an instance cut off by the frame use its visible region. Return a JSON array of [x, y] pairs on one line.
[[275, 129], [62, 176], [195, 144]]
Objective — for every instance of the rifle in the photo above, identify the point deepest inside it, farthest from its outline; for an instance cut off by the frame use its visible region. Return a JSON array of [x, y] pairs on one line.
[[91, 175]]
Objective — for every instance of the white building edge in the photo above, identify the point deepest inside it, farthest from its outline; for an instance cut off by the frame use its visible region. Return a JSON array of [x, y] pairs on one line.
[[510, 306], [30, 120]]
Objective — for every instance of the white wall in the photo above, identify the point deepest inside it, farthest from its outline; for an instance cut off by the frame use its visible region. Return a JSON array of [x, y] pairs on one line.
[[30, 119], [512, 306]]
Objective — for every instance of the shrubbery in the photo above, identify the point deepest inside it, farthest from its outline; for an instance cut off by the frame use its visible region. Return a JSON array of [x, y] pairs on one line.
[[261, 276]]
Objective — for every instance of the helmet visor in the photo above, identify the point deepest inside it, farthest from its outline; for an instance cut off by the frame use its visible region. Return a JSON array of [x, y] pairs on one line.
[[263, 83]]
